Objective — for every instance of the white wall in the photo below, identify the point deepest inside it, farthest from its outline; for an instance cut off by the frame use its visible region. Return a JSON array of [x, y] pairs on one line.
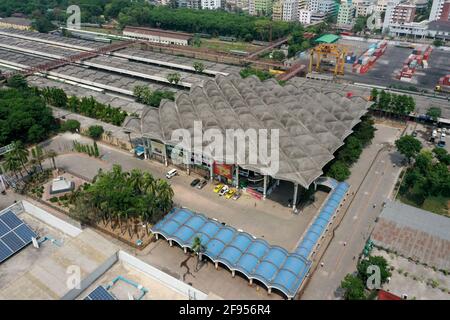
[[162, 277], [50, 219]]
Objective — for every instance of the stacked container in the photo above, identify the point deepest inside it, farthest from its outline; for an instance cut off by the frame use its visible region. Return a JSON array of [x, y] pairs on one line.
[[369, 57]]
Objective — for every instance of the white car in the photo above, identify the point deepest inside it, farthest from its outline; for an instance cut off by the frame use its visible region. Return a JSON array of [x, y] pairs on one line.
[[434, 134], [439, 130], [442, 136], [224, 190], [444, 130]]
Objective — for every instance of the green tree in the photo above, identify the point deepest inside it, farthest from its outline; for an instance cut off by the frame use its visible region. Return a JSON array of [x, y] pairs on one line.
[[363, 265], [434, 113], [17, 81], [442, 155], [38, 155], [408, 146], [339, 171], [20, 152], [438, 43], [51, 154], [198, 248], [278, 55], [95, 132], [12, 164], [353, 288]]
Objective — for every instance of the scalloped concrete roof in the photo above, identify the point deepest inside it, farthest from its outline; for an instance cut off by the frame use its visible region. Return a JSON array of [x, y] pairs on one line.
[[312, 123]]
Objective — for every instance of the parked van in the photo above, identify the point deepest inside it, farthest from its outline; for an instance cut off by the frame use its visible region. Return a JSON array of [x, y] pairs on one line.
[[171, 173]]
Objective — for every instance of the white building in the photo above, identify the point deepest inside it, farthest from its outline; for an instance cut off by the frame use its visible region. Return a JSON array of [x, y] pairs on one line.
[[436, 9], [290, 10], [364, 7], [390, 9], [329, 7], [211, 4], [346, 13], [304, 16]]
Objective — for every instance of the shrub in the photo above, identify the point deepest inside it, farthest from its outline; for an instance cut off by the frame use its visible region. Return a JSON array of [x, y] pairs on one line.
[[70, 125], [95, 132], [53, 199]]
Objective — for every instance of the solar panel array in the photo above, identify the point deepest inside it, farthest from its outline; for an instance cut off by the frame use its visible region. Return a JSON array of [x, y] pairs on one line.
[[100, 293], [14, 235]]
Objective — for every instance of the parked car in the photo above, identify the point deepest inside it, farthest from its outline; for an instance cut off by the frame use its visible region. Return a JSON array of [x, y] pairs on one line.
[[202, 184], [195, 182], [414, 133], [237, 195], [224, 190], [218, 187], [434, 133], [171, 173], [230, 193], [441, 144], [442, 135]]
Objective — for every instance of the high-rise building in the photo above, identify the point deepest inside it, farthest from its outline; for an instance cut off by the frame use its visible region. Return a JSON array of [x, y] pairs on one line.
[[329, 7], [211, 4], [346, 13], [364, 7], [260, 7], [403, 13], [439, 10], [304, 16], [290, 9], [277, 10]]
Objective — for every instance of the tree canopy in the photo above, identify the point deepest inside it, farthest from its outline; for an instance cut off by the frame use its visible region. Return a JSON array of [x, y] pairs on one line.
[[24, 116], [122, 196], [408, 146]]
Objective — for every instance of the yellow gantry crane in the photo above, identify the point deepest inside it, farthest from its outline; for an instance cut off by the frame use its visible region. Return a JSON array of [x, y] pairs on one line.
[[327, 51]]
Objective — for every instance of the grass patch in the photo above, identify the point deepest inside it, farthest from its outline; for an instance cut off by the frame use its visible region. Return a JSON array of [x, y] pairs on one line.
[[437, 204], [218, 45]]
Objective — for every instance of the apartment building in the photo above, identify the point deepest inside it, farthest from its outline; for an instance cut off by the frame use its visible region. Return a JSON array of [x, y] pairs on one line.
[[277, 10], [260, 7], [440, 10], [304, 16], [290, 10], [346, 13], [211, 4]]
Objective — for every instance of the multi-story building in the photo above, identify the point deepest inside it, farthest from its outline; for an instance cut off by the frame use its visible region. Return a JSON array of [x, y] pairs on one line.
[[415, 29], [382, 5], [302, 4], [346, 13], [191, 4], [329, 7], [304, 16], [260, 7], [290, 9], [364, 7], [211, 4], [403, 13], [439, 10], [277, 10], [317, 17]]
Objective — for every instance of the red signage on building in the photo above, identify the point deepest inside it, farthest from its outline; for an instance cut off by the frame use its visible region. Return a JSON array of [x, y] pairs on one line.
[[224, 170]]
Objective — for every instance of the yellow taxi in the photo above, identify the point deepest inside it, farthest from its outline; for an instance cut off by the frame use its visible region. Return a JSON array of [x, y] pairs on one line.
[[218, 187], [230, 193]]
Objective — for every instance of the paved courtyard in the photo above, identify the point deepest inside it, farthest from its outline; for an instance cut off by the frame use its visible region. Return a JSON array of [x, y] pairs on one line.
[[415, 280]]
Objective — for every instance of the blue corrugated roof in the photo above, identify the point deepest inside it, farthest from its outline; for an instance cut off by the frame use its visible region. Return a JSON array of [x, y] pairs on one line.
[[255, 258], [272, 265], [319, 225]]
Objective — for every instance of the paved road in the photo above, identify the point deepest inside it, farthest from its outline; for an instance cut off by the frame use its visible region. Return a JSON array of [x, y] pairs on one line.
[[357, 222]]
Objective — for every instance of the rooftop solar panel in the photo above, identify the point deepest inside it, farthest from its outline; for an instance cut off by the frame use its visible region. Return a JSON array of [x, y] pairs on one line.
[[14, 235], [10, 219], [99, 293]]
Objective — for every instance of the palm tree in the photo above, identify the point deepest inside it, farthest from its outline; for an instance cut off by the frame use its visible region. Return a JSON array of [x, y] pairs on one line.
[[12, 164], [198, 248], [38, 155], [20, 152], [52, 155]]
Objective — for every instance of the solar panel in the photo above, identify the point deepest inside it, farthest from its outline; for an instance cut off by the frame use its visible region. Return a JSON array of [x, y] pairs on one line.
[[14, 235], [25, 233], [3, 229], [10, 219], [100, 293]]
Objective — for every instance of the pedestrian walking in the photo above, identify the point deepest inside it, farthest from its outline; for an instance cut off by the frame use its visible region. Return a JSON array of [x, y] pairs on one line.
[[345, 243], [321, 264]]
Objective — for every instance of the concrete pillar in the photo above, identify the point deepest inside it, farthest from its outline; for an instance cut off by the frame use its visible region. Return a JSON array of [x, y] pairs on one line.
[[237, 176], [185, 250], [265, 187], [294, 199], [211, 170], [157, 236], [170, 243], [269, 290], [233, 273], [250, 281], [216, 264]]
